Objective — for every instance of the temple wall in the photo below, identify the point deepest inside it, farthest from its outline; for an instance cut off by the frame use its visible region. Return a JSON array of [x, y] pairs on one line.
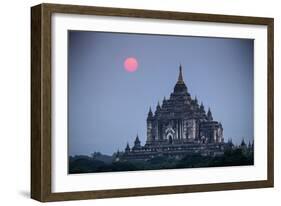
[[185, 129], [149, 131], [191, 129]]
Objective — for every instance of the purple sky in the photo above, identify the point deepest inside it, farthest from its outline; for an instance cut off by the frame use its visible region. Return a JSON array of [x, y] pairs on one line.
[[108, 106]]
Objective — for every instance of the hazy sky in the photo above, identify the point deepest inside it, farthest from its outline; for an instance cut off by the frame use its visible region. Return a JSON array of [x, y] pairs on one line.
[[108, 106]]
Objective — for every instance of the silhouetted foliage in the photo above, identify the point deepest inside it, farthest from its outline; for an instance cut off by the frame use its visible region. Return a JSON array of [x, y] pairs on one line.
[[231, 157], [83, 165]]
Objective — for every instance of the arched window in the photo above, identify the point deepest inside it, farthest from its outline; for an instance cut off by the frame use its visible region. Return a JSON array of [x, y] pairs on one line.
[[170, 138]]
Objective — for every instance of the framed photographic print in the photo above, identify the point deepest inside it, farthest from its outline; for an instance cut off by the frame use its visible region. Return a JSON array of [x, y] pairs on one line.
[[130, 102]]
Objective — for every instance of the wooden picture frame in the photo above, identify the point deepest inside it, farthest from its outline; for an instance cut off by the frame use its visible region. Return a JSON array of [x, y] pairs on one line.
[[41, 98]]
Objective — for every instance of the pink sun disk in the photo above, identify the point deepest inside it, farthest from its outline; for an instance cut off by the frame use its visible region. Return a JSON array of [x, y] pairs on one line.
[[131, 64]]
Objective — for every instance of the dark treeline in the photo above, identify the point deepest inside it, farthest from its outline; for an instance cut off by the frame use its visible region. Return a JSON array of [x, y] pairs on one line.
[[103, 163]]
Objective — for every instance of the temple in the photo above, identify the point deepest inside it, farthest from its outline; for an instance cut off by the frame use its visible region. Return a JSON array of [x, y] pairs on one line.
[[179, 126]]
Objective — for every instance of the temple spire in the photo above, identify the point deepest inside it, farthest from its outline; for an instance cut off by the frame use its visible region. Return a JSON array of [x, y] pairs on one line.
[[149, 115], [202, 106], [158, 106], [209, 115], [180, 86], [180, 79], [127, 149]]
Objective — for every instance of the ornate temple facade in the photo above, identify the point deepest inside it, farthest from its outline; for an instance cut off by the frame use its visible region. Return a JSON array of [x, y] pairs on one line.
[[179, 126]]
